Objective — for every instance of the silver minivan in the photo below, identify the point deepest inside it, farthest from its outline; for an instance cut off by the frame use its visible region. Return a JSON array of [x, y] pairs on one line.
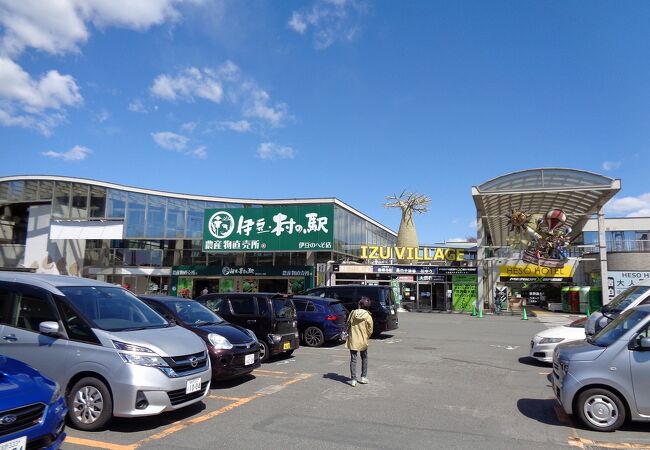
[[633, 296], [112, 354], [605, 379]]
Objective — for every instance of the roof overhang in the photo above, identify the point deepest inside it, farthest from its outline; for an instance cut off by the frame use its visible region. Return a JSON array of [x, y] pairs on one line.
[[580, 194]]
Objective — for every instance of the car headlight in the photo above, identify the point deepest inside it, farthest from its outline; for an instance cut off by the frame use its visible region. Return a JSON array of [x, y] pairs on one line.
[[219, 342], [132, 354], [56, 393], [251, 334], [564, 365], [551, 340]]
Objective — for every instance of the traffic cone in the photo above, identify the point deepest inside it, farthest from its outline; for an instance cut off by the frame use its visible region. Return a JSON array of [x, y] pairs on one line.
[[524, 316], [587, 311], [474, 309], [480, 312]]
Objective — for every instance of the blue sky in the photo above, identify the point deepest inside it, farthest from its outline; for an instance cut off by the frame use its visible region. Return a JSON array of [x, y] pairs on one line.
[[355, 99]]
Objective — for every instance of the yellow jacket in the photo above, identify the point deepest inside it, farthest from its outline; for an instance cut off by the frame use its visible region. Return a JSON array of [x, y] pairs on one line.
[[359, 329]]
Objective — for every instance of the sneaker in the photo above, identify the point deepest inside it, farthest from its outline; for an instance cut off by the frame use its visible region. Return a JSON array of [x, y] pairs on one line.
[[353, 383], [363, 380]]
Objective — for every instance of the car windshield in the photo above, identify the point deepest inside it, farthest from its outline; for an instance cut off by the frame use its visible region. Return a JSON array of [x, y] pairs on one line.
[[193, 313], [112, 308], [626, 298], [618, 327], [579, 323], [283, 308]]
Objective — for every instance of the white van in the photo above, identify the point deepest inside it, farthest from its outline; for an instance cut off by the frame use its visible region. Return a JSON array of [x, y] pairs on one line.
[[112, 354], [631, 297]]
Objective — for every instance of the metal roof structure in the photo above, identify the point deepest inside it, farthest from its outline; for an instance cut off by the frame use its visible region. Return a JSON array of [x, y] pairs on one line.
[[579, 193]]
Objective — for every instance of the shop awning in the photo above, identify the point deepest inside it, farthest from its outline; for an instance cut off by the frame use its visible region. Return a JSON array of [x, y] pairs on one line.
[[579, 193]]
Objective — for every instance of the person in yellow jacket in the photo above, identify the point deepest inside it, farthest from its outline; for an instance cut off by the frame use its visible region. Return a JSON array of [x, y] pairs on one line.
[[359, 331]]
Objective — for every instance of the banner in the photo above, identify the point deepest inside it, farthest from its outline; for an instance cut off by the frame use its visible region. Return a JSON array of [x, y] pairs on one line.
[[283, 228]]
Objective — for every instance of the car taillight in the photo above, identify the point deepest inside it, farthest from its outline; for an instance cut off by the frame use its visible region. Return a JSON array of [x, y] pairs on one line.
[[331, 317]]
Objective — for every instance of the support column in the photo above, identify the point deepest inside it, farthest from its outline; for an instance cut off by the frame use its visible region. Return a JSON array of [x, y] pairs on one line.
[[483, 276], [602, 251]]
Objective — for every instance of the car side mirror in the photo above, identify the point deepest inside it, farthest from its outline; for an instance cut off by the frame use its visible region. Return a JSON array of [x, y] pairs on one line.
[[644, 343], [50, 328]]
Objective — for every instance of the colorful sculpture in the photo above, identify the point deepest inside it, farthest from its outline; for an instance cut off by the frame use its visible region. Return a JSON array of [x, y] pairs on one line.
[[549, 238]]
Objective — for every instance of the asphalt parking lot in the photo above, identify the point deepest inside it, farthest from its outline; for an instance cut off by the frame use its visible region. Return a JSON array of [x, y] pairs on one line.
[[440, 381]]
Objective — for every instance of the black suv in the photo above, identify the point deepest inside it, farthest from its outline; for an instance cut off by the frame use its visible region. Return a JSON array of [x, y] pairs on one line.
[[272, 317], [382, 302]]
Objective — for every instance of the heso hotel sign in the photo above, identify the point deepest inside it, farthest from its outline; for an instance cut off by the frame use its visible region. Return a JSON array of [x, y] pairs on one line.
[[532, 272], [286, 228]]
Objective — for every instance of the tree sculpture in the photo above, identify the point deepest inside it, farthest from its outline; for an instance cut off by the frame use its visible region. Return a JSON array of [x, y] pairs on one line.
[[409, 202]]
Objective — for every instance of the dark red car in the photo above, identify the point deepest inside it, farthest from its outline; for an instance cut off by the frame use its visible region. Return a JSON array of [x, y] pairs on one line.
[[234, 350]]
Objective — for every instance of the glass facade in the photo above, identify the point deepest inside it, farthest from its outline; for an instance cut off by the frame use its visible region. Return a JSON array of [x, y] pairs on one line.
[[166, 231]]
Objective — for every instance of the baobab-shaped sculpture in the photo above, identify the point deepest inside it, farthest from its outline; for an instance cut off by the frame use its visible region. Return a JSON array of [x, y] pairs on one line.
[[409, 202]]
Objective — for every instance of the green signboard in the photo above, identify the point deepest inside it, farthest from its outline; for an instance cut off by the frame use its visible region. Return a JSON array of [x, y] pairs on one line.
[[465, 292], [284, 228]]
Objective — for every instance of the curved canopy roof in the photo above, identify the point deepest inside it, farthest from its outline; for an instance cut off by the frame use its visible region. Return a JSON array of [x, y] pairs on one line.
[[579, 193]]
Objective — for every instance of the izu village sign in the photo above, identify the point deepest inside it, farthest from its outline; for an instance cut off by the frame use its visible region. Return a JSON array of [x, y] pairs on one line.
[[284, 228], [375, 252]]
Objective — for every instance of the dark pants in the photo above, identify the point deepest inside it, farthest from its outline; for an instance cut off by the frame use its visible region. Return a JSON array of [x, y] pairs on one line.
[[353, 363]]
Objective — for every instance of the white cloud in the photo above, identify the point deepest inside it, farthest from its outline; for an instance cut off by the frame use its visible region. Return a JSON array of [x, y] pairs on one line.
[[225, 82], [268, 150], [178, 143], [630, 206], [170, 141], [76, 153], [240, 126], [58, 27], [103, 116], [331, 21], [457, 239], [611, 165], [136, 105], [472, 224], [188, 127], [186, 86]]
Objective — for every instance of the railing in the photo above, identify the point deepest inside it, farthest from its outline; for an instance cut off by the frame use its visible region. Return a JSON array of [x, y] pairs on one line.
[[11, 255]]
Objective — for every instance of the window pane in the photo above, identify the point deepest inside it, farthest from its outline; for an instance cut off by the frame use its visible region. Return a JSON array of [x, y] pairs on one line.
[[16, 189], [79, 208], [97, 202], [4, 192], [176, 218], [45, 189], [155, 216], [31, 190], [61, 201], [195, 219], [135, 215], [116, 207]]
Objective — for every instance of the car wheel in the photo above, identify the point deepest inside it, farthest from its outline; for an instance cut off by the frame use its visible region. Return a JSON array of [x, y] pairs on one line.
[[264, 351], [600, 410], [313, 337], [90, 404]]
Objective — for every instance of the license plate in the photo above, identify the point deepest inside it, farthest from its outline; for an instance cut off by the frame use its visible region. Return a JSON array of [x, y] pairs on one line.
[[16, 444], [249, 359], [286, 346], [193, 385]]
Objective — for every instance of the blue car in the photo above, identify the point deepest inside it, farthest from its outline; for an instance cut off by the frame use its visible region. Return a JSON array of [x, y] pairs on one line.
[[32, 409], [319, 319]]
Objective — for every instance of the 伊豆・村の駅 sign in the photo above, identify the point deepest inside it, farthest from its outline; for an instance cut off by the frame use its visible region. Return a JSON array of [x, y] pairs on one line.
[[283, 228]]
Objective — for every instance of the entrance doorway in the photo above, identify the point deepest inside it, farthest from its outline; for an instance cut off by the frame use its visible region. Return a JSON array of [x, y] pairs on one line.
[[424, 296]]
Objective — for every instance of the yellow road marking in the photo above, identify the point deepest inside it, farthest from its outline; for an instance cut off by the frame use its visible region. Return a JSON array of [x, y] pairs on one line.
[[269, 371], [236, 402], [544, 373], [99, 444], [270, 375], [221, 397], [582, 443]]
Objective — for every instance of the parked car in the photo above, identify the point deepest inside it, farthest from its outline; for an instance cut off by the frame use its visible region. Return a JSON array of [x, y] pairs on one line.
[[32, 409], [629, 298], [111, 353], [382, 302], [272, 317], [544, 342], [234, 351], [605, 379], [319, 319]]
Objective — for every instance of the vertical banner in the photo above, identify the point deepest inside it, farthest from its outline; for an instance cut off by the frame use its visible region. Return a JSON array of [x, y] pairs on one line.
[[464, 292]]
